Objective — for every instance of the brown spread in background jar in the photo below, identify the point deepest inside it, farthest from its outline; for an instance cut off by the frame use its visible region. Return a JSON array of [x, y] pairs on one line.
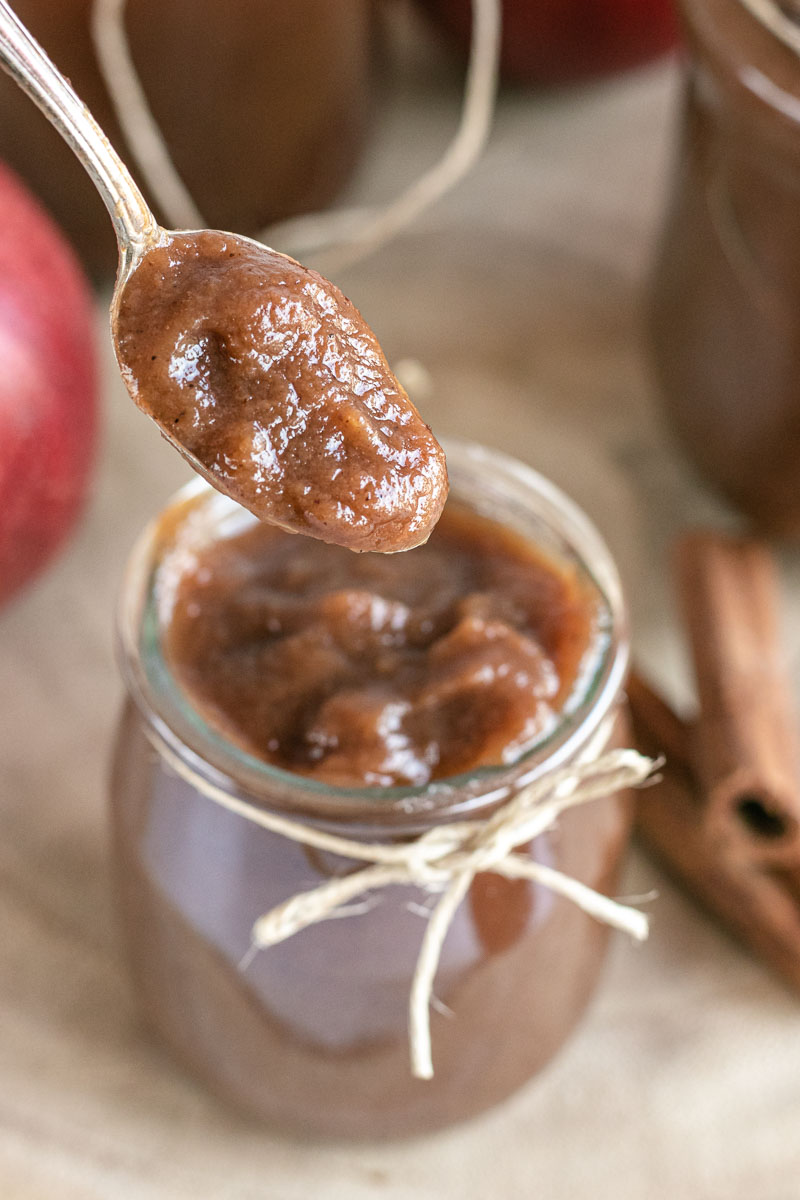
[[725, 305]]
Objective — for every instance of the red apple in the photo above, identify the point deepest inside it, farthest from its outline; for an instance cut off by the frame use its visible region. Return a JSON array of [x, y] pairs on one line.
[[565, 41], [48, 386]]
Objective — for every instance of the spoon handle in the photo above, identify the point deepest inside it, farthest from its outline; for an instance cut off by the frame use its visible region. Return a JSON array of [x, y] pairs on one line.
[[28, 65]]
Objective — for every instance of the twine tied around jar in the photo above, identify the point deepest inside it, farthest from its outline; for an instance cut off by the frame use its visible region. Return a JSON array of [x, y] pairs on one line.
[[443, 860]]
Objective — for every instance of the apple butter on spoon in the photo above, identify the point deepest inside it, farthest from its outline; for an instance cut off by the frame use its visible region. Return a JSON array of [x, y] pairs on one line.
[[257, 369], [274, 387]]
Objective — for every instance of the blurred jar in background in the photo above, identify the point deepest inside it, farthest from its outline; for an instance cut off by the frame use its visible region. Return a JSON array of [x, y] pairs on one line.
[[725, 307], [548, 42], [262, 104]]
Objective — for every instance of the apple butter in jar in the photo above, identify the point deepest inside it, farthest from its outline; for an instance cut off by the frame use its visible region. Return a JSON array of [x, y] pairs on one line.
[[262, 105], [376, 697], [725, 307]]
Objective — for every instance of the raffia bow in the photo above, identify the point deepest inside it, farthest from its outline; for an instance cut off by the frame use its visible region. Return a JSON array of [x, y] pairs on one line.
[[446, 859]]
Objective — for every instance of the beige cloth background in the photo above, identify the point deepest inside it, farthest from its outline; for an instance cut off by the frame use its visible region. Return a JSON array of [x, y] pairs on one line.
[[521, 294]]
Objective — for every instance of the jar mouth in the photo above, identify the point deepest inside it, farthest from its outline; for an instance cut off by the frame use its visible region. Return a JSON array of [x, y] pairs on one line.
[[486, 481]]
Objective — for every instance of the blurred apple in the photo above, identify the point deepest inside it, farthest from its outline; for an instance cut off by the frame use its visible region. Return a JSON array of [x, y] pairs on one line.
[[48, 386], [566, 41]]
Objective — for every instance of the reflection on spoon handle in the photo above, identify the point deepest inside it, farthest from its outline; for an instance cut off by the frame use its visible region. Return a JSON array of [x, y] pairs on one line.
[[28, 65]]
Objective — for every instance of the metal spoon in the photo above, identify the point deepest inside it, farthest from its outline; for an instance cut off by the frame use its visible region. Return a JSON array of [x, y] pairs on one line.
[[361, 469], [29, 66]]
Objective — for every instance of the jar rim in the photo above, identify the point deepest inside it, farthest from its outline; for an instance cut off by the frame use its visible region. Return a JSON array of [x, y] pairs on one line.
[[482, 478]]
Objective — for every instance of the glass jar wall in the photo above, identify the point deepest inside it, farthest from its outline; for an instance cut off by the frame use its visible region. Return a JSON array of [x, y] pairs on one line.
[[725, 307], [312, 1034]]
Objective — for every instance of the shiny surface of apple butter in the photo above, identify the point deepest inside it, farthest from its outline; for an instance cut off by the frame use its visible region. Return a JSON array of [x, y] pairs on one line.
[[275, 388], [376, 670]]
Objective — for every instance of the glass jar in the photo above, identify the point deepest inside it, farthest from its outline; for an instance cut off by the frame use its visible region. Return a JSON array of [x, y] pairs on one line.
[[312, 1034], [725, 308], [262, 106]]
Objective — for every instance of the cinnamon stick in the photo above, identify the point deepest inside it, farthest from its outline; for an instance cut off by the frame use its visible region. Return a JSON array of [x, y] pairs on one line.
[[761, 908], [745, 741], [658, 726]]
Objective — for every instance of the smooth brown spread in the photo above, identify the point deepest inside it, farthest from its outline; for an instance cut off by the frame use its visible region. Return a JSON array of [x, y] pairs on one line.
[[269, 380], [375, 670]]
